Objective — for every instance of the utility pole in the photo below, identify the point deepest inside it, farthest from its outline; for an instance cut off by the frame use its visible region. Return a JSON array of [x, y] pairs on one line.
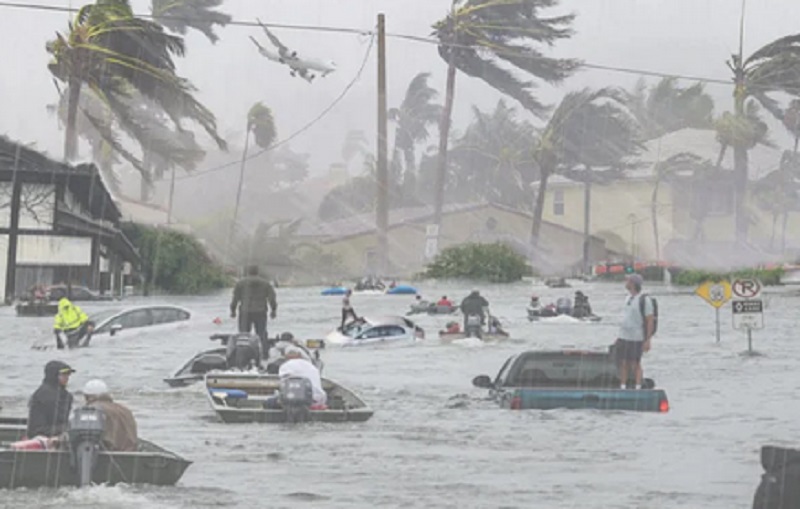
[[382, 205]]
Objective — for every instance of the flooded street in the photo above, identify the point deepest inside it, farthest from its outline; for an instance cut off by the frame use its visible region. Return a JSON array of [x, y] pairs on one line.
[[435, 441]]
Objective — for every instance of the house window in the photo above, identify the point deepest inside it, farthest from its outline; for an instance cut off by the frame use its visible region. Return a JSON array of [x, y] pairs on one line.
[[558, 202]]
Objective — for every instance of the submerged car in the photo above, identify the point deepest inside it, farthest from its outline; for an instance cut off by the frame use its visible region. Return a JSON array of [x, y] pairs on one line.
[[371, 330], [79, 293], [575, 379], [114, 321]]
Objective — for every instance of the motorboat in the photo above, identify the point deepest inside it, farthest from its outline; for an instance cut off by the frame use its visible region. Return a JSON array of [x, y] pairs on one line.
[[557, 282], [83, 462], [334, 290], [242, 352], [474, 329], [401, 290], [563, 311], [431, 308], [242, 397], [75, 293], [36, 308], [373, 330], [574, 379]]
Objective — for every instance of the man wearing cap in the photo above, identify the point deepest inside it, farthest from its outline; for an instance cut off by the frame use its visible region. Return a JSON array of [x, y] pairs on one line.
[[119, 426], [50, 405], [635, 332], [296, 365], [253, 296]]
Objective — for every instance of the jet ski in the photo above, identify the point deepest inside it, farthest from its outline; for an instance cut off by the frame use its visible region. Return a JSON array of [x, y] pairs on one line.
[[474, 329], [562, 311], [242, 352], [431, 308]]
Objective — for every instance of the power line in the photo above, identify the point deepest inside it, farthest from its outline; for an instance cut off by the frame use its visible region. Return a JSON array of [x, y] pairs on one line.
[[408, 37], [299, 131]]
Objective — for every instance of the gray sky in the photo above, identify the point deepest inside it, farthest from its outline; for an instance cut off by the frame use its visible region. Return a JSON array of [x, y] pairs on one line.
[[688, 37]]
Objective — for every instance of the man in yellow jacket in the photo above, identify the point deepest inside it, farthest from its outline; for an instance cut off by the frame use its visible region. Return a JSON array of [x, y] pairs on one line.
[[73, 322]]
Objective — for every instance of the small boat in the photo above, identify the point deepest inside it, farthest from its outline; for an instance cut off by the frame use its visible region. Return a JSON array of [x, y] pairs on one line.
[[431, 309], [537, 316], [374, 330], [402, 290], [334, 290], [449, 337], [574, 379], [221, 359], [36, 309], [475, 329], [150, 464], [240, 397]]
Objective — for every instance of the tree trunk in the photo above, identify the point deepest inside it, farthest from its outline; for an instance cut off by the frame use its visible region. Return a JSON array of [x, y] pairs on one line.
[[796, 142], [234, 226], [654, 218], [740, 162], [71, 135], [722, 149], [171, 195], [783, 231], [538, 210], [587, 214], [774, 228], [444, 134]]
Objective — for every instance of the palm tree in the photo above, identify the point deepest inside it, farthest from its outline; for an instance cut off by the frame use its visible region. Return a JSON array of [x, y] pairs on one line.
[[773, 68], [114, 54], [262, 124], [573, 135], [666, 107], [415, 114], [480, 34], [493, 159], [791, 121], [180, 15], [778, 193]]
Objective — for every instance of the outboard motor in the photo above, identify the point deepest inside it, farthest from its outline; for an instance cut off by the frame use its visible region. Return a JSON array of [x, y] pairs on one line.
[[297, 395], [473, 326], [244, 351], [85, 437]]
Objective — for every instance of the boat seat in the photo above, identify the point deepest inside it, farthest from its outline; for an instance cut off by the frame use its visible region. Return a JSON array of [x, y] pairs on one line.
[[229, 393]]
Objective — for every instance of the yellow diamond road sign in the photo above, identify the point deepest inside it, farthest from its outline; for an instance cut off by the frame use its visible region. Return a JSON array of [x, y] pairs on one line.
[[716, 293]]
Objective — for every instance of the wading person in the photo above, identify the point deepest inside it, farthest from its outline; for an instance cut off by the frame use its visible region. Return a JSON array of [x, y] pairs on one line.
[[635, 331], [253, 296], [73, 323]]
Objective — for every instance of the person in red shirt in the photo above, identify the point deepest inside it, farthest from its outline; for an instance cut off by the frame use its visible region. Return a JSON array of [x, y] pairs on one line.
[[444, 301]]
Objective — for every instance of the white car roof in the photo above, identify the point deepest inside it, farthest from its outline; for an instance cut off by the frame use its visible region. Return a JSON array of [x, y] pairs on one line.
[[387, 320]]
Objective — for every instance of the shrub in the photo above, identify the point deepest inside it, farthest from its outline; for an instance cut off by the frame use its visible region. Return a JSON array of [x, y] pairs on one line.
[[174, 262], [768, 277], [497, 263]]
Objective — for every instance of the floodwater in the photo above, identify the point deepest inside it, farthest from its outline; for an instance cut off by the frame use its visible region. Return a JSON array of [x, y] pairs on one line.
[[435, 441]]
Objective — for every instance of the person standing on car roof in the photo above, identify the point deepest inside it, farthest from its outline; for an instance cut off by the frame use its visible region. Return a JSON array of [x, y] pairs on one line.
[[253, 296], [635, 331]]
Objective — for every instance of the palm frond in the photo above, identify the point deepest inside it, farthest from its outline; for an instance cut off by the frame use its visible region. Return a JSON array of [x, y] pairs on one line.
[[181, 15]]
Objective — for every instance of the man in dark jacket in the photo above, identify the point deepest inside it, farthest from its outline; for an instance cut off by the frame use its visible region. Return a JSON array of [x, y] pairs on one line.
[[474, 304], [50, 405], [253, 296]]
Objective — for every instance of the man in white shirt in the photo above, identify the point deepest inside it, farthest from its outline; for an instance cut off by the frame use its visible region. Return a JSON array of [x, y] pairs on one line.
[[297, 366], [635, 331]]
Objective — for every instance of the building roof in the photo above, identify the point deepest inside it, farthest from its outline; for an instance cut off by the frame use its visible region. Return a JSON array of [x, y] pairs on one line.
[[135, 211], [84, 180], [362, 224], [700, 142]]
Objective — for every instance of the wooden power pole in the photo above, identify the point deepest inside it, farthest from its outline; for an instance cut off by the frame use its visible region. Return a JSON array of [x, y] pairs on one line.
[[382, 205]]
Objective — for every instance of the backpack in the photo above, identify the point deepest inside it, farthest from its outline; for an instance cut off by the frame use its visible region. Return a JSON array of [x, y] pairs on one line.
[[655, 312]]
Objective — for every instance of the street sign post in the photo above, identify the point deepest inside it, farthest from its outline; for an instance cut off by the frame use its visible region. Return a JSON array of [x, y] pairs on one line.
[[748, 312], [716, 293]]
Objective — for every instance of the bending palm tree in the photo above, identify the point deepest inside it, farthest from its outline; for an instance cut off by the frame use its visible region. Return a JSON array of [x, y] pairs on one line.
[[262, 124], [180, 15], [479, 35], [114, 54], [773, 68], [413, 117], [666, 107]]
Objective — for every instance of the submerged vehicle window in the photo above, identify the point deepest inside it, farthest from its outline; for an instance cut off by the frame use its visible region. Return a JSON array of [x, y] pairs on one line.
[[167, 315], [102, 316]]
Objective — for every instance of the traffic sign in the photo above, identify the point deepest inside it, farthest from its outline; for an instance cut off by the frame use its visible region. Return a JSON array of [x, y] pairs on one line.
[[746, 288], [715, 293], [748, 314]]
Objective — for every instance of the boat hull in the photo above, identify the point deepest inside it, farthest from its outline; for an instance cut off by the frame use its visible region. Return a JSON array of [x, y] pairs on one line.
[[38, 309], [253, 390], [449, 337]]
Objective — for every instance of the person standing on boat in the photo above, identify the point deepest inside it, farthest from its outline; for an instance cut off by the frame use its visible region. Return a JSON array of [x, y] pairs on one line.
[[50, 405], [474, 304], [119, 426], [347, 309], [73, 323], [635, 331], [253, 296]]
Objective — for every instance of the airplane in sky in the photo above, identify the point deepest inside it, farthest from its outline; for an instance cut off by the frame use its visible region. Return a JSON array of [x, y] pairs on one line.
[[303, 67]]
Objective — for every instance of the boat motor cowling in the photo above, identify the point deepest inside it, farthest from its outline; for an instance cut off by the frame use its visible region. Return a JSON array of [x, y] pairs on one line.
[[473, 326], [244, 351], [297, 396], [85, 438]]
